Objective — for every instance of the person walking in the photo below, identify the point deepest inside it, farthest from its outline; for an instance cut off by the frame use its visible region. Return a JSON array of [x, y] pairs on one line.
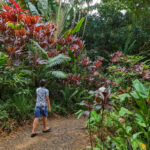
[[41, 108]]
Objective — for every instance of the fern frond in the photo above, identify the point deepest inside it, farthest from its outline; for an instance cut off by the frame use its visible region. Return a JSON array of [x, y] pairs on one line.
[[57, 74], [59, 59], [131, 46]]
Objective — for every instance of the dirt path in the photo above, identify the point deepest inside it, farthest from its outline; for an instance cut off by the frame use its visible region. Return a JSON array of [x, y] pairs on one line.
[[67, 134]]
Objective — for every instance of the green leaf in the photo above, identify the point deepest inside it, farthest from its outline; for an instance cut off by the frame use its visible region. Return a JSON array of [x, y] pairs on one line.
[[128, 129], [96, 148], [27, 72], [13, 26], [131, 46], [42, 51], [68, 32], [71, 55], [33, 9], [58, 74], [44, 9], [19, 25], [140, 118], [123, 111], [140, 102], [119, 140], [135, 144], [120, 125], [148, 116], [135, 135], [78, 26], [134, 94], [3, 58], [123, 97], [79, 113], [74, 93], [141, 88], [81, 52], [58, 47], [59, 59]]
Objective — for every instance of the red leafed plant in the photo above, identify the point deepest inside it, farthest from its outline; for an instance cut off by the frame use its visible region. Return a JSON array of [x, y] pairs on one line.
[[73, 79], [98, 63], [73, 43], [116, 56], [17, 6], [146, 74], [17, 27], [88, 78], [86, 62], [139, 69], [121, 69]]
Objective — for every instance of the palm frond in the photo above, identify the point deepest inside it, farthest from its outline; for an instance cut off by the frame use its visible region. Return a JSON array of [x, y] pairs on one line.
[[57, 74], [44, 9], [59, 59], [33, 9]]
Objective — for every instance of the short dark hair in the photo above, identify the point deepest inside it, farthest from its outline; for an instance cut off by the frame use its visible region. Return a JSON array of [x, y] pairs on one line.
[[42, 82]]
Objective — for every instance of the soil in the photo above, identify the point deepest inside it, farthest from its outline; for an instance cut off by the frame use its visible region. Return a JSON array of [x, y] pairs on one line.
[[68, 133]]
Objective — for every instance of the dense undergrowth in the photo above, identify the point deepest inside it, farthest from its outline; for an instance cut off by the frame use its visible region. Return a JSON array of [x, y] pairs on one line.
[[113, 91]]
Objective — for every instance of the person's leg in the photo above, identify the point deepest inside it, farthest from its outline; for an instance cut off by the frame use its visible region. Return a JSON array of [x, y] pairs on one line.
[[37, 114], [45, 115], [35, 124], [44, 123]]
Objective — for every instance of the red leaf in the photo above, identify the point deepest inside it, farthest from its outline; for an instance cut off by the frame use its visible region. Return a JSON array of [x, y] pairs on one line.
[[86, 62], [146, 74], [17, 6], [115, 59], [116, 56]]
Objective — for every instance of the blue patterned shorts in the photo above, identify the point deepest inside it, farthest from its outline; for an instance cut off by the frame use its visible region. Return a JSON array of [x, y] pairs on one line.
[[41, 111]]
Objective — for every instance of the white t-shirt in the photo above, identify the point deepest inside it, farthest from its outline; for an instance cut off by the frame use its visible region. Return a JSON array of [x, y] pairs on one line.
[[41, 94]]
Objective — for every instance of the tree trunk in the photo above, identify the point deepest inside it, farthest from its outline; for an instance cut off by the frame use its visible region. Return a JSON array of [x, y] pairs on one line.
[[86, 20], [74, 18]]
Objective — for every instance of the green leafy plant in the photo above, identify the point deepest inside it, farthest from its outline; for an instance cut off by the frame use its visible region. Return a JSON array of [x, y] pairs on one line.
[[141, 91], [127, 140], [94, 121], [76, 29], [58, 108], [128, 47], [141, 119], [69, 94], [97, 104], [78, 26], [22, 107], [52, 62], [142, 111], [3, 114], [3, 59]]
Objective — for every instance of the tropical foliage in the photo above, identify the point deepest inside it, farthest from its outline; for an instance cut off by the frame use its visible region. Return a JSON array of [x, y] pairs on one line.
[[96, 65]]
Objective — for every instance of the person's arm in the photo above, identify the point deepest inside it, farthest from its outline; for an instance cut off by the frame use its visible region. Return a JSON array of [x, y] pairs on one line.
[[48, 102]]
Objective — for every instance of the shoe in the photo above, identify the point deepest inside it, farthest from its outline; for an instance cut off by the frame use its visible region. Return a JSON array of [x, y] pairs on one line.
[[48, 130], [34, 134]]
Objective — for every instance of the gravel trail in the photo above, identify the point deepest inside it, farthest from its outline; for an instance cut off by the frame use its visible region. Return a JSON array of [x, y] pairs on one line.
[[67, 134]]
